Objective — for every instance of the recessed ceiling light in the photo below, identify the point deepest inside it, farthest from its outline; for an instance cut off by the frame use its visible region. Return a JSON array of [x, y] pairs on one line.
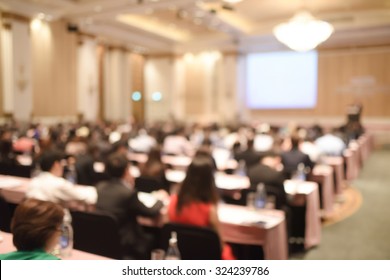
[[232, 1]]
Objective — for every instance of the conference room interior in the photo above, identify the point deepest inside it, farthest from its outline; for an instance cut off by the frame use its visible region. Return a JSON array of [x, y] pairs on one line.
[[105, 74]]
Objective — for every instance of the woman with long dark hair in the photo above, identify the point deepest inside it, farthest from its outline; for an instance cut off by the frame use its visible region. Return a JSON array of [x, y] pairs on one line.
[[196, 202]]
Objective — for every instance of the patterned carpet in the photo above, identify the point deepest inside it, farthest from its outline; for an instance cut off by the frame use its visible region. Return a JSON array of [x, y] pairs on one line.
[[346, 205]]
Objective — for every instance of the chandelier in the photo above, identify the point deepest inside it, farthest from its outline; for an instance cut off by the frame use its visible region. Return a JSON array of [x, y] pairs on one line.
[[303, 32]]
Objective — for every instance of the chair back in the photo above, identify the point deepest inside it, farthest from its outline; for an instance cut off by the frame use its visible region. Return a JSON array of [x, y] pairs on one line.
[[5, 216], [147, 184], [16, 170], [97, 233], [194, 243]]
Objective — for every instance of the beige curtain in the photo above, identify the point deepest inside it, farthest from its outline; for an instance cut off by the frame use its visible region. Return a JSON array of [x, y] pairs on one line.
[[54, 54]]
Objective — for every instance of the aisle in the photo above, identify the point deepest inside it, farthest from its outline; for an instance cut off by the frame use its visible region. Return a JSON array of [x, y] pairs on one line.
[[365, 234]]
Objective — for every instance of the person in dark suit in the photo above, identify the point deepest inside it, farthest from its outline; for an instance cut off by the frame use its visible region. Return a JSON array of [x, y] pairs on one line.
[[265, 171], [86, 174], [249, 156], [119, 198], [292, 158]]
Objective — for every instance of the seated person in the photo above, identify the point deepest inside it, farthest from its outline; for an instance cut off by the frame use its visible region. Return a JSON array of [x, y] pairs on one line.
[[196, 202], [292, 158], [249, 156], [155, 169], [50, 186], [36, 229], [266, 171], [178, 144], [143, 142], [330, 144], [7, 155], [119, 198]]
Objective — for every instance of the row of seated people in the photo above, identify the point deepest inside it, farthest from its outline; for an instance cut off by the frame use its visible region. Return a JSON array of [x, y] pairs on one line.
[[50, 186], [88, 142], [119, 198], [253, 180]]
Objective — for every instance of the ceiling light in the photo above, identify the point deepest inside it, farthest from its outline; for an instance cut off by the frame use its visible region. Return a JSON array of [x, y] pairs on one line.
[[232, 1], [303, 32]]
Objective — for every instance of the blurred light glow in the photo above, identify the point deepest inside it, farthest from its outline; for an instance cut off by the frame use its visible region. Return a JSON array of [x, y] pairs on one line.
[[156, 96], [136, 96]]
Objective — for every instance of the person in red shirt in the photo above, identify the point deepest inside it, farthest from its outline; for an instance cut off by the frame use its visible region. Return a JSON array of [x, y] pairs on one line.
[[196, 202]]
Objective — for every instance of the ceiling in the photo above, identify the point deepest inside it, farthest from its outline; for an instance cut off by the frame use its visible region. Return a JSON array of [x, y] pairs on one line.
[[161, 26]]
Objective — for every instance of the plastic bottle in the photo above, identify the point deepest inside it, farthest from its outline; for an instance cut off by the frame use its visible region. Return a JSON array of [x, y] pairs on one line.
[[260, 196], [173, 252], [71, 174], [241, 168], [300, 174], [66, 239]]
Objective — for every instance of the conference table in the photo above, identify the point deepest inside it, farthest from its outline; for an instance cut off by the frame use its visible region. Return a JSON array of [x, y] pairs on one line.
[[307, 194], [270, 235], [182, 162], [337, 163], [222, 180], [300, 194], [7, 246], [323, 175], [264, 227], [239, 224]]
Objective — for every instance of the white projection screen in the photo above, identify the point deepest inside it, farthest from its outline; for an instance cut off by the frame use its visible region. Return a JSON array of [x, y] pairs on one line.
[[281, 80]]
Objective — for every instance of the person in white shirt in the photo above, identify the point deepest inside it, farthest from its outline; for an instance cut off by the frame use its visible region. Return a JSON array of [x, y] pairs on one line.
[[331, 145], [143, 142], [50, 186], [178, 144]]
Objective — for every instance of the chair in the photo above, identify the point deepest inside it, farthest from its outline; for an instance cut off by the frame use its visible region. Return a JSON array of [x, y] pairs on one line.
[[97, 233], [195, 243], [147, 184], [16, 170], [5, 215]]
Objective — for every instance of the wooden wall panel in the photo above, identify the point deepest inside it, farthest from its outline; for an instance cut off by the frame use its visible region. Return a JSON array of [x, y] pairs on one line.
[[345, 76], [1, 69], [137, 63]]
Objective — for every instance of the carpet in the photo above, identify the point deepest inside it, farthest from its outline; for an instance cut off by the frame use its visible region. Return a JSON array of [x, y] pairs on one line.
[[346, 205]]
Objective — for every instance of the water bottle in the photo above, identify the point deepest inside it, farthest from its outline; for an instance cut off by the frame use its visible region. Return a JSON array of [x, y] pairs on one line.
[[241, 168], [71, 174], [66, 239], [36, 171], [260, 196], [300, 174], [173, 252]]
